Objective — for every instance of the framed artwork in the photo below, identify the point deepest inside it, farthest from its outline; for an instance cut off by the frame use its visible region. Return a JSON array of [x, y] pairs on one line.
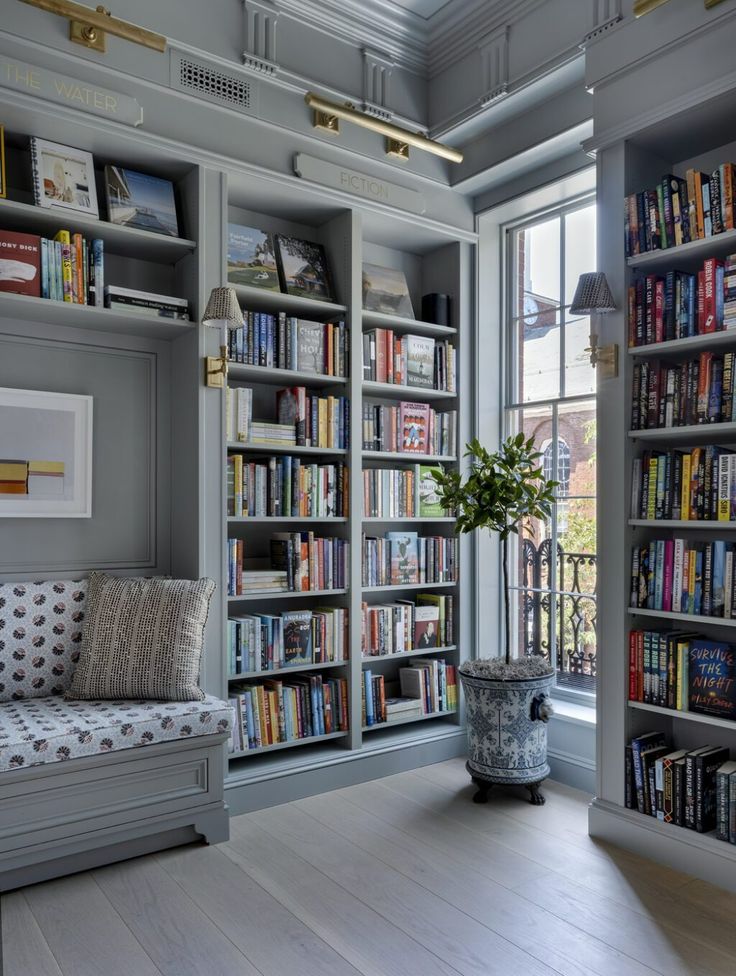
[[385, 290], [251, 259], [45, 454], [3, 177], [303, 269], [63, 177], [142, 201]]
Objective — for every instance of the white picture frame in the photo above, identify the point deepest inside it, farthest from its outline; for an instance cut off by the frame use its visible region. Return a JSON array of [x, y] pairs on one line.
[[50, 433], [63, 177]]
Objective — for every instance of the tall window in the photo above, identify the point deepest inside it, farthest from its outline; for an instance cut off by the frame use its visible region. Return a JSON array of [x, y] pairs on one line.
[[550, 393]]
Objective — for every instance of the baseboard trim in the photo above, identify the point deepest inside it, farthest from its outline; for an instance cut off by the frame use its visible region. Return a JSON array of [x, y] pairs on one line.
[[572, 770], [247, 793], [700, 855]]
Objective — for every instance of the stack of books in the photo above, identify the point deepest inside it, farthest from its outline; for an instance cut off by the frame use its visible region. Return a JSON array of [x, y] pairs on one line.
[[408, 360], [242, 580], [401, 493], [292, 639], [698, 391], [409, 428], [679, 210], [272, 712], [286, 486], [433, 682], [68, 268], [679, 576], [395, 628], [145, 303], [401, 558], [285, 342], [319, 421], [686, 485]]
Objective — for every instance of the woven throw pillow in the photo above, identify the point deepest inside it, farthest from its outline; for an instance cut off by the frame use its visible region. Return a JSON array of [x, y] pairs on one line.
[[142, 638]]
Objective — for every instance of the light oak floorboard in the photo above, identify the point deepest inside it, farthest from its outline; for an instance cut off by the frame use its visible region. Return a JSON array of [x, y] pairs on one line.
[[179, 938], [374, 946], [450, 934], [25, 951], [84, 931], [273, 939], [550, 940]]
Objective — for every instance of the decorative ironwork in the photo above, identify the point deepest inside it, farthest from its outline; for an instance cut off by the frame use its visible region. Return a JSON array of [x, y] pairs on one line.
[[563, 617]]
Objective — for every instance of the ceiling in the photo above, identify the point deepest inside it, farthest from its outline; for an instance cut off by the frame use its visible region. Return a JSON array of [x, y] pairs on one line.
[[423, 8]]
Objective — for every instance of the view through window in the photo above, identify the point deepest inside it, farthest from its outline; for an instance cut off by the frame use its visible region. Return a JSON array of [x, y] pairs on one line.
[[550, 394]]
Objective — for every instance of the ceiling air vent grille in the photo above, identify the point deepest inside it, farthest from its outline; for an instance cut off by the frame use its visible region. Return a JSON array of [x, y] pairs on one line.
[[215, 84]]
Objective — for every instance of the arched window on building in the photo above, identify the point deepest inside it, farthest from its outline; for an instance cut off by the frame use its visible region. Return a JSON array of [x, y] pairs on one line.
[[563, 464]]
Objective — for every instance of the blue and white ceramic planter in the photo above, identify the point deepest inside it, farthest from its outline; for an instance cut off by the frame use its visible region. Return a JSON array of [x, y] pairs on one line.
[[507, 732]]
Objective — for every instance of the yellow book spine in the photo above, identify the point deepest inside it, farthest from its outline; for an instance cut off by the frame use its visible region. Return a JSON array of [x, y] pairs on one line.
[[322, 424], [652, 499], [64, 238], [685, 497], [238, 485], [724, 488]]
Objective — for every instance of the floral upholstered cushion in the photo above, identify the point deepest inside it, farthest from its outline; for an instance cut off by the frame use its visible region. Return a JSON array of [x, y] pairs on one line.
[[40, 637], [47, 730]]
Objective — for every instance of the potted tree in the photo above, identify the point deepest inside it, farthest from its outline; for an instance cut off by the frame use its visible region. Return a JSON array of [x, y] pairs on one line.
[[507, 699]]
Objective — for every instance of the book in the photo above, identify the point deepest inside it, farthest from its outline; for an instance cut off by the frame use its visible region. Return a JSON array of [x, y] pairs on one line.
[[63, 177], [712, 678], [420, 361], [303, 269], [140, 200], [385, 290], [297, 626], [430, 505], [414, 422], [310, 346], [723, 812], [404, 554], [426, 626], [251, 259], [20, 263]]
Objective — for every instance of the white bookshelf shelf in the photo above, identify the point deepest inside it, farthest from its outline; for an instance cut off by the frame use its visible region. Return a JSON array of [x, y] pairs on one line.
[[691, 618], [685, 255], [399, 392], [721, 723], [278, 746], [416, 652], [409, 721], [283, 672], [247, 448], [409, 586], [260, 300], [710, 342], [696, 525], [417, 520], [410, 458], [130, 242], [700, 433], [379, 320], [29, 309], [282, 377], [283, 595], [287, 519]]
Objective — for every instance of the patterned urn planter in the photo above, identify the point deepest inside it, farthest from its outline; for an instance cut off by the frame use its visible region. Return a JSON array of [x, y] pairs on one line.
[[507, 728]]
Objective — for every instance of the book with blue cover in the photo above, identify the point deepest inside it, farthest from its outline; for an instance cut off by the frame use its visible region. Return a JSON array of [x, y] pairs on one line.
[[712, 678]]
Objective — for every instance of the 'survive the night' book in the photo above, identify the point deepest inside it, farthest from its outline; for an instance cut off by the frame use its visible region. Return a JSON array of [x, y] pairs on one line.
[[712, 678]]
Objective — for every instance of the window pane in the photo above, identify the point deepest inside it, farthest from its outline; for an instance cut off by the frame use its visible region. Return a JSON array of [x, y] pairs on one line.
[[538, 267], [538, 365], [576, 426], [579, 374], [580, 247]]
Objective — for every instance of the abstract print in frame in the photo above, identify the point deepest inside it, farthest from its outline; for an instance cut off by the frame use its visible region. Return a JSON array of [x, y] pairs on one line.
[[45, 454]]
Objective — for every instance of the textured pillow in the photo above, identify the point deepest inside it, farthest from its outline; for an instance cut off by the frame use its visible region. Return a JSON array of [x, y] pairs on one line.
[[142, 638], [40, 637]]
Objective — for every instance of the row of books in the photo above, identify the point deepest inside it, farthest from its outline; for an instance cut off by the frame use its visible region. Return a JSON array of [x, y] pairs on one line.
[[401, 558], [409, 428], [299, 563], [697, 485], [285, 342], [144, 303], [395, 628], [681, 305], [679, 210], [272, 711], [303, 419], [65, 269], [292, 639], [401, 493], [674, 575], [409, 360], [697, 391], [286, 486], [428, 687], [693, 788], [682, 671]]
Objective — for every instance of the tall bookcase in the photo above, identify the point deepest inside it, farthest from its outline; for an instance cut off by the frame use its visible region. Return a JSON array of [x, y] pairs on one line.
[[433, 260], [697, 139]]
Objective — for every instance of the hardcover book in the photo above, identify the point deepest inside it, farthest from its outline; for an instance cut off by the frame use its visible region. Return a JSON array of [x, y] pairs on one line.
[[430, 505], [297, 626], [140, 200], [712, 678], [385, 290], [310, 346], [404, 551], [303, 269], [414, 419], [420, 361], [250, 258], [426, 626], [20, 263]]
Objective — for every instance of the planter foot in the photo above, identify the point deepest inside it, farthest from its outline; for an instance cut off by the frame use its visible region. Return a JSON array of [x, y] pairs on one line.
[[536, 797], [483, 789]]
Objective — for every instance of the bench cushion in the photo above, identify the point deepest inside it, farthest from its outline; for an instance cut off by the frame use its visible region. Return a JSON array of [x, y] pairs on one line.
[[46, 730], [40, 637]]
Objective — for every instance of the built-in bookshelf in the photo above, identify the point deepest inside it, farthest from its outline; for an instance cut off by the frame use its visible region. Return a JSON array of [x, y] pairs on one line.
[[432, 260]]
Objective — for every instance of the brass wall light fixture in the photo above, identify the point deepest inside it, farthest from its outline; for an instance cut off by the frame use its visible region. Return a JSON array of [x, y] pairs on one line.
[[642, 7], [90, 27], [223, 312], [593, 297], [398, 140]]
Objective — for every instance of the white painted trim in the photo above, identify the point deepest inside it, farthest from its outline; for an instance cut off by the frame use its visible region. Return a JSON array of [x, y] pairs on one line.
[[574, 714]]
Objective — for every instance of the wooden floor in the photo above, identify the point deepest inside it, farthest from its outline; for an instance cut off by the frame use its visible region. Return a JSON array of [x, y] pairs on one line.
[[400, 877]]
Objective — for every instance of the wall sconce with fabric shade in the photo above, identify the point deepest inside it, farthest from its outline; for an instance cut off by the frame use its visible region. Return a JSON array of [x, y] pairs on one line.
[[223, 312], [593, 297]]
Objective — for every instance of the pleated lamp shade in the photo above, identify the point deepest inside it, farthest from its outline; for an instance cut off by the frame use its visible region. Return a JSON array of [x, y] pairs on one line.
[[592, 295], [223, 308]]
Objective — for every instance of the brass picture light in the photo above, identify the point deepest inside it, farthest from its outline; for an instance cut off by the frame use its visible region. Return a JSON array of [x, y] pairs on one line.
[[90, 27], [642, 7]]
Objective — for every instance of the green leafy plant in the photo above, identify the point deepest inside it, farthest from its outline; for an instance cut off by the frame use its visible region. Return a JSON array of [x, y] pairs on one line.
[[501, 492]]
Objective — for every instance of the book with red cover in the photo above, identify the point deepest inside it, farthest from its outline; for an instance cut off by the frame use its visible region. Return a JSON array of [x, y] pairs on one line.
[[20, 263], [712, 301], [414, 420]]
